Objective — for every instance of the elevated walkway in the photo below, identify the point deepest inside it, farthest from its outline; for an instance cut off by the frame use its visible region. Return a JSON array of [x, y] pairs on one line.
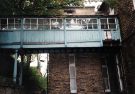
[[60, 32]]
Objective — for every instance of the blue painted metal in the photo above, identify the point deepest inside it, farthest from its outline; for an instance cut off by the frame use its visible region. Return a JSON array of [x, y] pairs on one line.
[[65, 32], [21, 33], [100, 31]]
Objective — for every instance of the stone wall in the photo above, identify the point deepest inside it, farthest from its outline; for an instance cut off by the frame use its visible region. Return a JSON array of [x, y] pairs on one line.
[[88, 71]]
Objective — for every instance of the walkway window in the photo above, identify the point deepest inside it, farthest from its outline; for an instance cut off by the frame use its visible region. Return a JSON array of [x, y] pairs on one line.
[[109, 23], [27, 24], [92, 24], [14, 23], [3, 24], [40, 24], [72, 72], [106, 78], [56, 23], [30, 24]]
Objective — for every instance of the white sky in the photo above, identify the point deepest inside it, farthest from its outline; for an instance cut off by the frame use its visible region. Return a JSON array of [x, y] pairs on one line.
[[91, 3], [43, 64]]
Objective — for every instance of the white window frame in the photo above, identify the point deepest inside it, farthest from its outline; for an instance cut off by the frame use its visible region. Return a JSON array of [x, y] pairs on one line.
[[73, 85]]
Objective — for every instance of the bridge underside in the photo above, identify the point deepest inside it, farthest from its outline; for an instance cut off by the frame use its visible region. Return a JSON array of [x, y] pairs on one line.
[[113, 49]]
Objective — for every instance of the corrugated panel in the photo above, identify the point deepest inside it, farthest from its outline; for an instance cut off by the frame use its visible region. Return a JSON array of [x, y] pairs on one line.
[[44, 36], [10, 37], [83, 36]]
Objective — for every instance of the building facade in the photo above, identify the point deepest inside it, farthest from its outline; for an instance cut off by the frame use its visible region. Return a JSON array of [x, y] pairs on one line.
[[86, 71], [85, 55]]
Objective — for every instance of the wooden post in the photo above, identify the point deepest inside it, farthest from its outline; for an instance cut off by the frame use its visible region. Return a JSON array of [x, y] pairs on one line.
[[15, 67]]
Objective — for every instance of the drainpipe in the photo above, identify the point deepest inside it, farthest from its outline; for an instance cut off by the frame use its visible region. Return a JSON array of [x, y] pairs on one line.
[[47, 72], [119, 74]]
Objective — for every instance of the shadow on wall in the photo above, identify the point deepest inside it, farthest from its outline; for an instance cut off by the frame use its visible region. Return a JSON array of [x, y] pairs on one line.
[[6, 69]]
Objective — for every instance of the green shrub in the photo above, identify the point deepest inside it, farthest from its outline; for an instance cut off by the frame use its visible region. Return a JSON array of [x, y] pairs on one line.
[[34, 80]]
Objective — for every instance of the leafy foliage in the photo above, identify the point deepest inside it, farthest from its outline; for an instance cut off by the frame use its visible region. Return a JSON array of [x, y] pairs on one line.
[[111, 3], [33, 7], [33, 80]]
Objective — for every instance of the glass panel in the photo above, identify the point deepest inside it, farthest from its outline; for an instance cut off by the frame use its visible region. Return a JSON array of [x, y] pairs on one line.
[[93, 21], [84, 26], [112, 26], [33, 24], [60, 23], [47, 23], [95, 26], [103, 21], [11, 24], [3, 24], [104, 26], [74, 24], [90, 26], [111, 20], [40, 24], [27, 24], [54, 24], [79, 21], [18, 23]]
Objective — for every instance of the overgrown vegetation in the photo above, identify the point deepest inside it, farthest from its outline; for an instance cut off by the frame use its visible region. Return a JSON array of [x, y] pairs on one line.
[[34, 7], [111, 3], [33, 80]]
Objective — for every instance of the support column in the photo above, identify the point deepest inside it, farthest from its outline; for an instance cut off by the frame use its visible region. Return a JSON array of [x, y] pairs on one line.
[[21, 69], [15, 67]]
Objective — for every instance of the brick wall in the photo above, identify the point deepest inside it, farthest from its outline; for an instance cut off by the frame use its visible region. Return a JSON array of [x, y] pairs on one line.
[[129, 62], [126, 14], [88, 70]]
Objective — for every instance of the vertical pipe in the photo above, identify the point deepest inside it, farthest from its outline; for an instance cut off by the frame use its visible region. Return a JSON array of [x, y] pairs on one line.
[[47, 72], [15, 67], [119, 74]]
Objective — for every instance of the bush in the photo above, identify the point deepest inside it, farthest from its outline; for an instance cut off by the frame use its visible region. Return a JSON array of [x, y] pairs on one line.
[[34, 80]]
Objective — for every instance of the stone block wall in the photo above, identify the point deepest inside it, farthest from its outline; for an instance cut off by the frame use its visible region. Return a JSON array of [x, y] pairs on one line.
[[88, 74]]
